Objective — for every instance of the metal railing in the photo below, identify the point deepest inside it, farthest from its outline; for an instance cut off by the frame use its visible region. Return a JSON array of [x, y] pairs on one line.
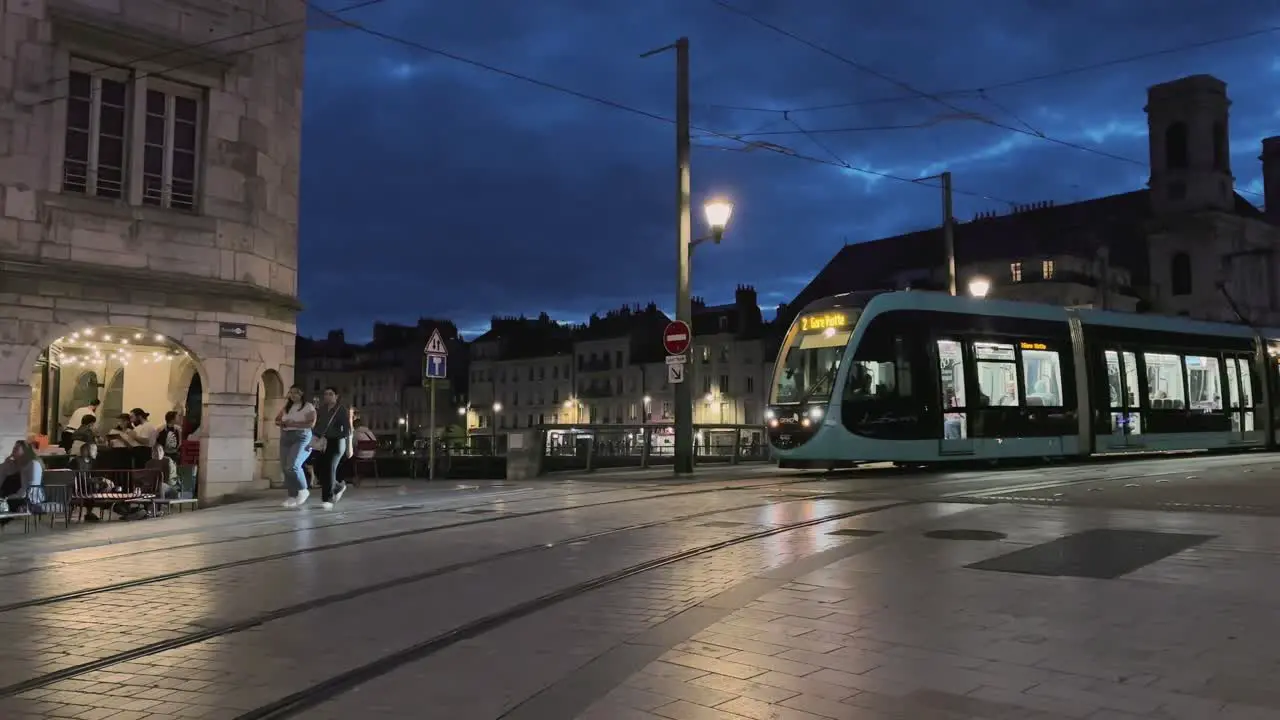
[[591, 447]]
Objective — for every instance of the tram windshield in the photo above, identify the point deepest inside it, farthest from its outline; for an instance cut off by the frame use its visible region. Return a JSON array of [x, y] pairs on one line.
[[812, 357]]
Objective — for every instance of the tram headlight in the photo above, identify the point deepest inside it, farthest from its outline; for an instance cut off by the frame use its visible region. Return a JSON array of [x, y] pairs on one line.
[[815, 413], [804, 422], [769, 414]]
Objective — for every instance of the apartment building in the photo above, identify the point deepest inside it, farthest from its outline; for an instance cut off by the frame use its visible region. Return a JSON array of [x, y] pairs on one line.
[[612, 371], [382, 379]]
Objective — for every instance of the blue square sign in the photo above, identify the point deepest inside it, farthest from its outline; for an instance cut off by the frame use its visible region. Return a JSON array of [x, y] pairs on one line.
[[437, 366]]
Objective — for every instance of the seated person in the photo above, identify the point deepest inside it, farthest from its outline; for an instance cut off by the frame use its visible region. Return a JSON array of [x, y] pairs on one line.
[[82, 465], [167, 469], [21, 480]]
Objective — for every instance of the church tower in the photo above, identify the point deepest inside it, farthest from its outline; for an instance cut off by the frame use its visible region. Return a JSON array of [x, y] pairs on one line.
[[1190, 149]]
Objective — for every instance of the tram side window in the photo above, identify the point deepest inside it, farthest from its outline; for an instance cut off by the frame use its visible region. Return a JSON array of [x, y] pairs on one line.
[[951, 367], [872, 378], [1113, 377], [1204, 383], [997, 373], [1246, 382], [1164, 381], [1042, 373]]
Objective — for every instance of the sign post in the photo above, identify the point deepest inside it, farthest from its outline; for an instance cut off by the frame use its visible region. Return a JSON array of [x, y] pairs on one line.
[[435, 366], [676, 339]]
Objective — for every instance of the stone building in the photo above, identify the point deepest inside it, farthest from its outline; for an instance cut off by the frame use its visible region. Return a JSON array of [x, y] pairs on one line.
[[612, 370], [1172, 248], [382, 379], [149, 159]]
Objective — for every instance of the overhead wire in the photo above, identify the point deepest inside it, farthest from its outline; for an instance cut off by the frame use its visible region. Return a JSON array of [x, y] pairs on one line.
[[1029, 79], [922, 94], [748, 145]]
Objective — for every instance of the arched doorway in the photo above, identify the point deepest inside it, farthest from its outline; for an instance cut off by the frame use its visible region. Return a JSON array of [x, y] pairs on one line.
[[123, 367], [269, 399]]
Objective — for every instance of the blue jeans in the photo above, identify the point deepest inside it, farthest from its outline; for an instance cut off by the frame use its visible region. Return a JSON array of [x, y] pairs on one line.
[[294, 452]]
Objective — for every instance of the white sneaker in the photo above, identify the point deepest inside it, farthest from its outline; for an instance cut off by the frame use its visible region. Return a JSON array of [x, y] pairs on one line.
[[302, 498], [338, 495], [290, 503], [327, 506]]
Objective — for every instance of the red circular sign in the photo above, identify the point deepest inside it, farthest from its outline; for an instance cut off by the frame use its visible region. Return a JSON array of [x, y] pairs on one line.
[[676, 337]]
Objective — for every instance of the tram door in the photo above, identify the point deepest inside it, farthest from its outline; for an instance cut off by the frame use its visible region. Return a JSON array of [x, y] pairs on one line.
[[1125, 410], [1240, 398], [955, 399]]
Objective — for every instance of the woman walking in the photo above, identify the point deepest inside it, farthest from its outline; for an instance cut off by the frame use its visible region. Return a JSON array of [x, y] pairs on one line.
[[333, 443], [296, 419]]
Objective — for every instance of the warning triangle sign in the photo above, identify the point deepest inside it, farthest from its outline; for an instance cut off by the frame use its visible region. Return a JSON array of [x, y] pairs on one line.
[[435, 345]]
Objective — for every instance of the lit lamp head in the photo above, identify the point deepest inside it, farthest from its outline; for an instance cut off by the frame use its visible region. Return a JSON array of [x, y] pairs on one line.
[[497, 407], [979, 287], [462, 411], [718, 214]]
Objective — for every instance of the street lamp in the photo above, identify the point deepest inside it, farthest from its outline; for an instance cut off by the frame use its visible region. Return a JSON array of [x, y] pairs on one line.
[[979, 287], [648, 412], [718, 212]]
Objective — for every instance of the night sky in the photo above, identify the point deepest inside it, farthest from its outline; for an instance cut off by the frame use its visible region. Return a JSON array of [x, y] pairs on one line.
[[432, 187]]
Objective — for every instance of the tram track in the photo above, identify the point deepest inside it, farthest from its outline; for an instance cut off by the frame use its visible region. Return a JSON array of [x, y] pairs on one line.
[[345, 523], [411, 532], [330, 688], [255, 621]]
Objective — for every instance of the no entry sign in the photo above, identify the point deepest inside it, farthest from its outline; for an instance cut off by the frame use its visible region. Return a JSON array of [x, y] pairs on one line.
[[676, 338]]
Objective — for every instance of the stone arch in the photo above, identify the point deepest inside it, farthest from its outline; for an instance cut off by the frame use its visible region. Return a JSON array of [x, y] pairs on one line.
[[20, 372], [269, 398], [137, 342]]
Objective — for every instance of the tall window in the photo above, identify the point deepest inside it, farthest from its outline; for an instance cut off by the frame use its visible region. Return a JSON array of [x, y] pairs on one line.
[[1180, 274], [169, 150], [997, 373], [1046, 269], [1015, 272], [1175, 146], [95, 149]]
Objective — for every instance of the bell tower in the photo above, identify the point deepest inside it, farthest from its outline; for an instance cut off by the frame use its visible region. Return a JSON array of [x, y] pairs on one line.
[[1187, 121]]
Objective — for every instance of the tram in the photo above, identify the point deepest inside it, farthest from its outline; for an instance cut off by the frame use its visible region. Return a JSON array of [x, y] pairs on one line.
[[922, 377]]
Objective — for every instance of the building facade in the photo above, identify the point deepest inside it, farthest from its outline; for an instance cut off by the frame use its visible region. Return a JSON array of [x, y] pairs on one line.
[[612, 370], [1187, 245], [148, 243], [382, 379]]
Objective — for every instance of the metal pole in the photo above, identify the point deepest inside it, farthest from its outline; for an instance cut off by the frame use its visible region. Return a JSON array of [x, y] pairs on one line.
[[684, 241], [948, 235], [431, 433]]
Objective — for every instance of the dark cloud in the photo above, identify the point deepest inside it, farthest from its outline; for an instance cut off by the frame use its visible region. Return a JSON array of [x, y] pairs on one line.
[[435, 188]]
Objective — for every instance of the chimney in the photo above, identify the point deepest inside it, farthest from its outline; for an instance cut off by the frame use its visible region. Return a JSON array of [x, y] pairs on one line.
[[1271, 176], [745, 296]]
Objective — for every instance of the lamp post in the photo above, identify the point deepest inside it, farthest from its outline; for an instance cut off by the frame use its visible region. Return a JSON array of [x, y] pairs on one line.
[[493, 427]]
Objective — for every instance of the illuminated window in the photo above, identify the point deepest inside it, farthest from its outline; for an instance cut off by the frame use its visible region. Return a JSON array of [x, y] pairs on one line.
[[1015, 271], [1046, 268]]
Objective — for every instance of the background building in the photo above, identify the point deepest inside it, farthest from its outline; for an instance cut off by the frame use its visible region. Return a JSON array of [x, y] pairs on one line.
[[612, 369], [382, 379], [155, 202], [1170, 249]]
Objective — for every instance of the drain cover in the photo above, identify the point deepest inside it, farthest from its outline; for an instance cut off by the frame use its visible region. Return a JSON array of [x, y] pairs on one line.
[[722, 524], [851, 532], [978, 535], [1103, 554], [478, 511]]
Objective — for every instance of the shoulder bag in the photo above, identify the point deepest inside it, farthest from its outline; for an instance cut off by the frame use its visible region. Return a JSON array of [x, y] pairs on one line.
[[319, 442]]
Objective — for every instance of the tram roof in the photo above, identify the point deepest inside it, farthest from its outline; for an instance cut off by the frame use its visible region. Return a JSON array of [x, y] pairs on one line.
[[876, 302]]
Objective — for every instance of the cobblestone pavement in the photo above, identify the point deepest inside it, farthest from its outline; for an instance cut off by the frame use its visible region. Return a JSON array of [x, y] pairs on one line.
[[232, 609]]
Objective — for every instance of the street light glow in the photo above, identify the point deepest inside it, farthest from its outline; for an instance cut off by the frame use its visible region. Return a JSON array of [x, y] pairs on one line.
[[979, 287], [497, 407], [718, 213], [462, 411], [647, 399]]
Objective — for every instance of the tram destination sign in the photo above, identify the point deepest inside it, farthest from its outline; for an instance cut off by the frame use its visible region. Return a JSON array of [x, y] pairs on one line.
[[824, 321]]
